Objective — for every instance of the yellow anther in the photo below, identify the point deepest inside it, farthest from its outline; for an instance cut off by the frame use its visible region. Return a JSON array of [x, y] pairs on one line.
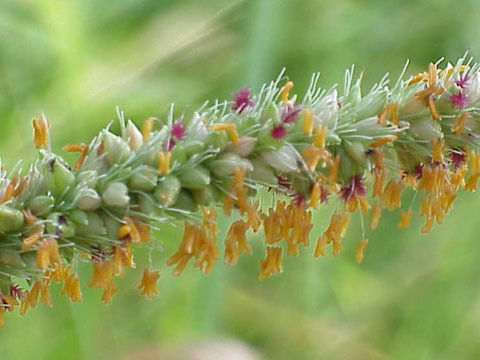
[[333, 174], [472, 181], [394, 113], [363, 204], [427, 227], [379, 176], [40, 132], [417, 78], [391, 109], [457, 128], [312, 157], [109, 292], [14, 187], [148, 284], [474, 162], [31, 240], [320, 247], [392, 194], [286, 91], [433, 108], [438, 147], [230, 128], [432, 74], [71, 288], [405, 218], [123, 231], [147, 128], [360, 249], [307, 122], [378, 155], [82, 149], [272, 263], [102, 274], [383, 115], [320, 136], [448, 72], [315, 195], [134, 233], [334, 233], [376, 213], [164, 162], [47, 253], [383, 140], [236, 242]]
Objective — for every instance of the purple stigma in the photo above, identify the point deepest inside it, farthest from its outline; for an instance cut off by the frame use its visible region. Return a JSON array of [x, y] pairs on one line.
[[16, 292], [289, 114], [298, 199], [462, 81], [284, 183], [98, 254], [418, 170], [178, 130], [460, 100], [242, 100], [278, 132], [354, 188], [169, 144], [323, 193], [458, 158]]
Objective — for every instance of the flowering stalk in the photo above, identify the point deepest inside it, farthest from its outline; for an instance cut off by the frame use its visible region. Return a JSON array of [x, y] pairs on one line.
[[361, 151]]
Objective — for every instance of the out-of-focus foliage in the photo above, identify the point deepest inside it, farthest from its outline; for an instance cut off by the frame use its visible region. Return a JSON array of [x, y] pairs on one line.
[[414, 297]]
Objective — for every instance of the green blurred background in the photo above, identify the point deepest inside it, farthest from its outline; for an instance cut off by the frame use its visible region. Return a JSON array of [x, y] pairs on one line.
[[414, 297]]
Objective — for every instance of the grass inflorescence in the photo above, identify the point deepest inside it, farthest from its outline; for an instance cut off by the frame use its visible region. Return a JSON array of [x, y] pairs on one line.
[[360, 151]]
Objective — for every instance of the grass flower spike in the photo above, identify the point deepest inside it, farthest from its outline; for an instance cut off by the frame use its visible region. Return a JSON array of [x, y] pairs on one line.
[[359, 152]]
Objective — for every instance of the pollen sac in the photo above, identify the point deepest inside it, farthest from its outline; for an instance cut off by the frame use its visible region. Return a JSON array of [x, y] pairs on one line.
[[116, 148], [185, 201], [206, 196], [116, 195], [224, 165], [167, 190], [301, 184], [263, 173], [147, 204], [356, 151], [58, 178], [193, 147], [88, 178], [144, 179], [134, 136], [244, 147], [11, 259], [41, 205], [112, 225], [78, 217], [284, 159], [59, 225], [270, 113], [217, 140], [371, 105], [10, 219], [89, 200], [425, 129], [195, 178], [355, 94], [95, 225], [179, 155], [347, 166]]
